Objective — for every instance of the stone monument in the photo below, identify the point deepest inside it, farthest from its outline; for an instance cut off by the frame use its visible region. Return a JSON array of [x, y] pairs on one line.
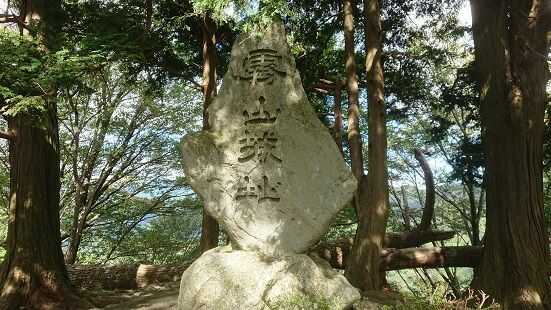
[[272, 176]]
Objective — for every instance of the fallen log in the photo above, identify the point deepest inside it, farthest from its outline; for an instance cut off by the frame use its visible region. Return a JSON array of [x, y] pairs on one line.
[[336, 252], [129, 276], [415, 238], [134, 276], [396, 259], [460, 256]]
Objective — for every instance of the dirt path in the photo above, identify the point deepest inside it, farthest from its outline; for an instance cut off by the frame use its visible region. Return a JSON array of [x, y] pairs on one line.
[[152, 298]]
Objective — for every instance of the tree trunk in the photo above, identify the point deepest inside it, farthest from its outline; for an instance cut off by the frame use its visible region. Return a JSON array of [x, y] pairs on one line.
[[337, 127], [364, 270], [210, 229], [510, 50], [34, 273], [74, 241], [354, 137], [474, 216], [148, 14]]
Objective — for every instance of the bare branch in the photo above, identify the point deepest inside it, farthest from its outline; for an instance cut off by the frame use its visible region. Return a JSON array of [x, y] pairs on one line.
[[428, 210]]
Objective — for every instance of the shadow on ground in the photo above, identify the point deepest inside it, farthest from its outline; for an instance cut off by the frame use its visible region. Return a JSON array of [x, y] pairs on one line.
[[154, 297]]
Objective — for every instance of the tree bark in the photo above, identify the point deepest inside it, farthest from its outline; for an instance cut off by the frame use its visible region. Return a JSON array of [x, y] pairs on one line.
[[337, 252], [364, 269], [125, 277], [354, 137], [510, 52], [337, 127], [474, 212], [33, 273], [462, 256], [210, 229], [75, 238]]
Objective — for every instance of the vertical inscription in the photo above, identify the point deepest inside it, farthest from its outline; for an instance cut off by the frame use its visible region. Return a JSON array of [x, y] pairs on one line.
[[259, 144]]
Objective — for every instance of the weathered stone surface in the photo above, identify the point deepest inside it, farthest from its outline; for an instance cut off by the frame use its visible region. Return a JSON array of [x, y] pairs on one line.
[[226, 279], [268, 170]]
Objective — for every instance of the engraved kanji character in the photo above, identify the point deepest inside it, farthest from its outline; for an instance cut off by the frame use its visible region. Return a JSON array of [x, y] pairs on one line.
[[267, 191], [263, 146], [261, 65], [246, 190], [260, 115]]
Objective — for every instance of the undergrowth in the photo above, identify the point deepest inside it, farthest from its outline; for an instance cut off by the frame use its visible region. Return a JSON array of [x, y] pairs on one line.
[[437, 300]]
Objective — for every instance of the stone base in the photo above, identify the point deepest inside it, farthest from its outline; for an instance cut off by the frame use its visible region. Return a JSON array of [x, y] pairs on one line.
[[223, 278]]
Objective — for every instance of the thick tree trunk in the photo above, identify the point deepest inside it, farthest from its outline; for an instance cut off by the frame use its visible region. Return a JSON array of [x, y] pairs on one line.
[[34, 272], [210, 229], [364, 269], [354, 137], [510, 49]]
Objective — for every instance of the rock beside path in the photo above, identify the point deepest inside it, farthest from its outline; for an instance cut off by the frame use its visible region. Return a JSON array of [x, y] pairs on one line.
[[226, 279]]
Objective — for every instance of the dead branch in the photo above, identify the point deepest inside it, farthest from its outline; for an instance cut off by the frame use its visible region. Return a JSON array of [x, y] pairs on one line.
[[428, 210], [416, 238]]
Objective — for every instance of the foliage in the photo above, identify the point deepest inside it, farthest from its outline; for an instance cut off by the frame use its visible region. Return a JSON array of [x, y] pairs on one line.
[[119, 152], [21, 85], [302, 302], [32, 73], [168, 237]]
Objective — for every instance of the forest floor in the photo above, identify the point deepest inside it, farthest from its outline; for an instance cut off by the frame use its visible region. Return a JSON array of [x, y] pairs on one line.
[[153, 297], [165, 297]]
